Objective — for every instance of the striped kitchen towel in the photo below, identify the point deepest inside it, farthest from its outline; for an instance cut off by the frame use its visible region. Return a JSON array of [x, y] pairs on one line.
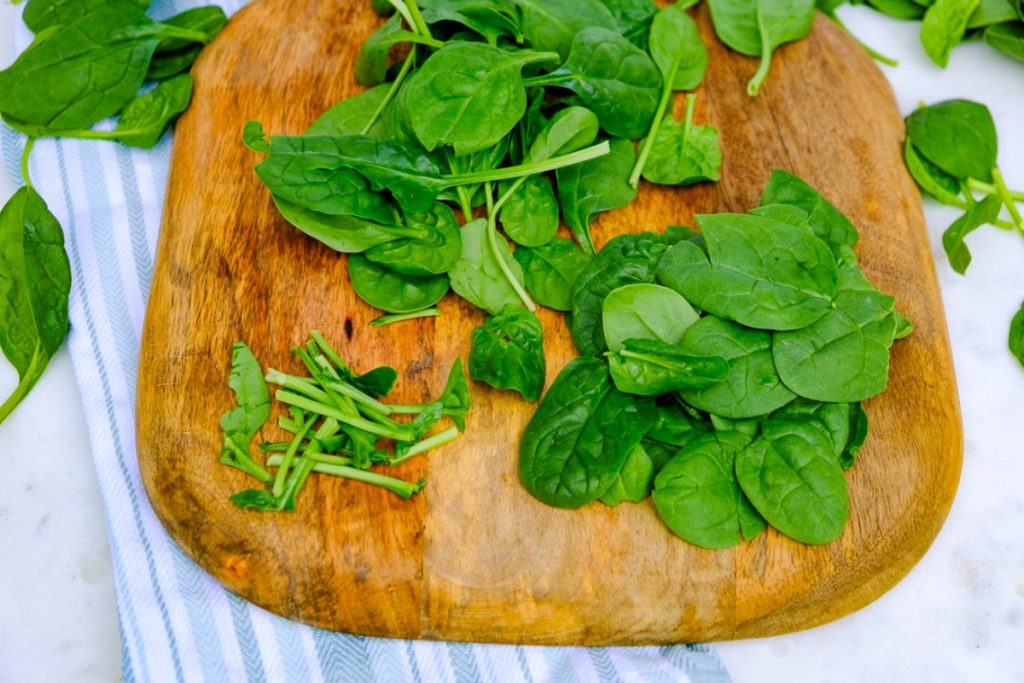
[[176, 622]]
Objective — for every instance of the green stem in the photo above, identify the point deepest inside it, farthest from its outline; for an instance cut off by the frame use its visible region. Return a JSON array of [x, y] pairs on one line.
[[410, 59], [328, 350], [315, 456], [297, 384], [691, 104], [502, 258], [400, 487], [25, 153], [754, 86], [243, 461], [421, 26], [286, 461], [1011, 206], [170, 31], [988, 188], [403, 9], [408, 409], [533, 168], [554, 78], [319, 408], [508, 194], [648, 144], [385, 320], [358, 396], [25, 383], [436, 441]]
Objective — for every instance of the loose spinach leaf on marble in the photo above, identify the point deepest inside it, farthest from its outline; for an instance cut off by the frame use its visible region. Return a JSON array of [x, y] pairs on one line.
[[843, 357], [793, 479], [240, 424], [698, 497], [943, 27], [35, 280], [626, 259], [433, 253], [634, 481], [683, 153], [930, 178], [551, 25], [551, 270], [954, 238], [757, 272], [827, 222], [647, 367], [757, 27], [958, 136], [508, 352], [578, 440], [645, 311], [587, 189], [752, 387], [391, 292], [478, 277], [469, 95], [530, 215], [616, 80], [1017, 335]]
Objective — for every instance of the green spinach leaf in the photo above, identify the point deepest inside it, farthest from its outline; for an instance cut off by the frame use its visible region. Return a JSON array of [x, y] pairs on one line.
[[953, 239], [551, 25], [1017, 335], [1007, 38], [602, 184], [646, 367], [645, 311], [350, 116], [943, 27], [530, 215], [508, 352], [634, 481], [241, 424], [478, 277], [683, 153], [958, 136], [347, 234], [433, 253], [550, 271], [827, 222], [391, 292]]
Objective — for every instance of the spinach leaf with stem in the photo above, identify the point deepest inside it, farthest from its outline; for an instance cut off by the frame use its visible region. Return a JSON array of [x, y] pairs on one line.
[[352, 115], [530, 214], [645, 311], [206, 22], [698, 497], [391, 292], [792, 477], [508, 352], [943, 27], [1007, 38], [35, 281], [953, 239], [633, 18], [492, 19], [578, 440], [433, 253], [682, 59], [958, 136], [479, 276], [550, 270], [683, 154], [240, 424], [469, 95], [615, 79], [651, 367], [589, 188], [757, 27], [346, 234], [372, 60]]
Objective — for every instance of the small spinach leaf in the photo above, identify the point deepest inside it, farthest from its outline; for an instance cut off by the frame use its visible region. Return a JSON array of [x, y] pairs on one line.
[[943, 27], [827, 222], [683, 153], [646, 367], [958, 136], [530, 215], [645, 311], [634, 481], [350, 116], [601, 184], [478, 277], [1017, 335], [240, 424], [550, 271], [953, 239], [552, 24], [433, 253], [393, 293], [508, 352]]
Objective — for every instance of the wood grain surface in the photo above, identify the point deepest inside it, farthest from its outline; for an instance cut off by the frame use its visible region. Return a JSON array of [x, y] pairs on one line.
[[474, 557]]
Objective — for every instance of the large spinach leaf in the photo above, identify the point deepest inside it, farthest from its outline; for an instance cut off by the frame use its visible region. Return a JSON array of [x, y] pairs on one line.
[[35, 280], [552, 24], [347, 234], [578, 440], [433, 253], [508, 352]]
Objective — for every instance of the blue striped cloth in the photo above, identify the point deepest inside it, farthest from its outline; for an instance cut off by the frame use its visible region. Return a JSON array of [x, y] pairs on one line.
[[177, 623]]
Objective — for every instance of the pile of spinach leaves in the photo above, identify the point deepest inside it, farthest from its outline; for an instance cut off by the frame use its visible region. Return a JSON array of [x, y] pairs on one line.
[[496, 122], [90, 60], [951, 151], [339, 425], [721, 373]]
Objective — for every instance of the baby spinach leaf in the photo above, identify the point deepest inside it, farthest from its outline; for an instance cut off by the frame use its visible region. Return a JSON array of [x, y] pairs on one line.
[[943, 27], [167, 64], [602, 184], [478, 277], [492, 19], [347, 234], [757, 272], [530, 215], [645, 311], [80, 73], [1017, 335], [844, 423], [900, 9], [844, 356], [930, 178], [456, 398], [144, 119], [551, 25], [508, 352], [579, 438], [43, 14], [647, 367], [35, 279], [626, 259], [677, 49], [351, 115], [752, 387], [757, 27], [953, 239], [468, 95], [991, 12], [206, 21], [632, 17], [675, 426], [614, 78], [550, 271], [570, 129], [683, 154], [634, 481], [792, 477], [824, 219], [393, 293], [1007, 38], [433, 253], [697, 496], [372, 59], [241, 424], [959, 136]]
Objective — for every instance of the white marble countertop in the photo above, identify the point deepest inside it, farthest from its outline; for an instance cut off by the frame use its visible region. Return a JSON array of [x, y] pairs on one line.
[[958, 616]]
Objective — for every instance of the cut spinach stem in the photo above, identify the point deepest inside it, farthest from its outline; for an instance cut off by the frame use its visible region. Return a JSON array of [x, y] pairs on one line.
[[496, 250], [286, 460], [754, 86], [24, 386], [400, 487], [358, 396], [988, 188], [407, 65], [25, 153], [533, 168], [430, 443], [1007, 198], [320, 408], [385, 320], [327, 350], [297, 384]]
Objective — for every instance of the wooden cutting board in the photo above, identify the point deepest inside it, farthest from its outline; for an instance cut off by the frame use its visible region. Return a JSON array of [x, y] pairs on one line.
[[474, 557]]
